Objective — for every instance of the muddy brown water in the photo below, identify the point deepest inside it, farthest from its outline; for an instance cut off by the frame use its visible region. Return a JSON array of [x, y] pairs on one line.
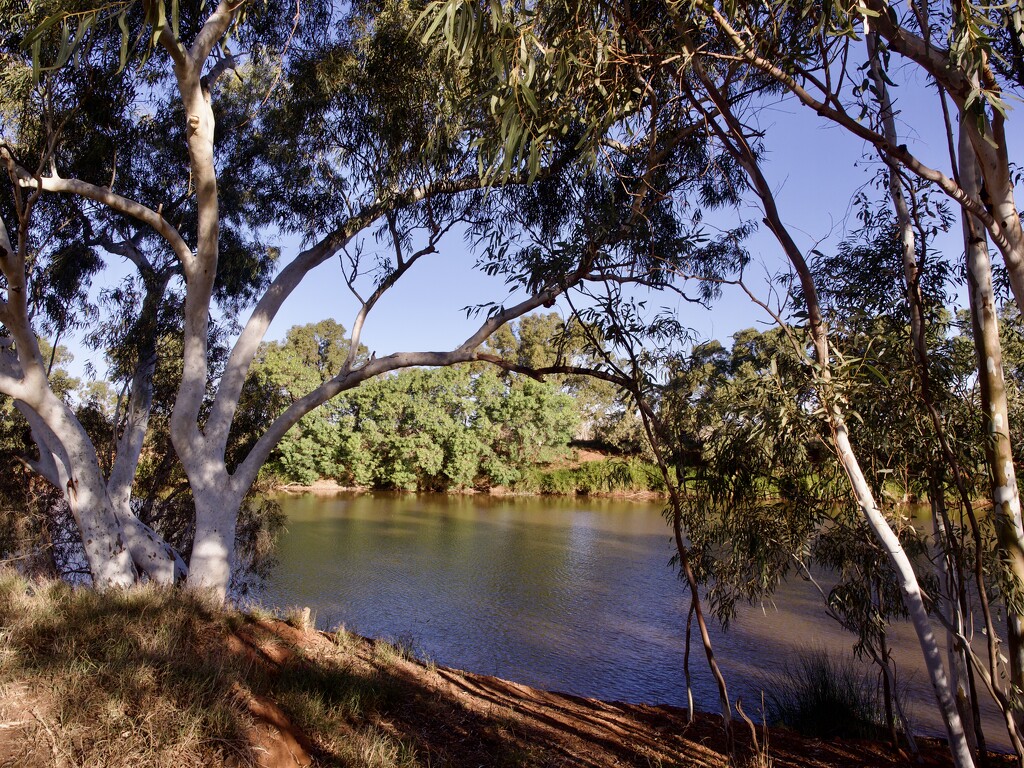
[[574, 595]]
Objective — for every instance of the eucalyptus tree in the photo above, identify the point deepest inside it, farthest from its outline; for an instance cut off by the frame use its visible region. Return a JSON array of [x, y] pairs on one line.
[[343, 128], [832, 403], [55, 252], [947, 46]]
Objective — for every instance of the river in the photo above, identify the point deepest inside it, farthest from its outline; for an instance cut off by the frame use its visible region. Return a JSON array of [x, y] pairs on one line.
[[574, 595]]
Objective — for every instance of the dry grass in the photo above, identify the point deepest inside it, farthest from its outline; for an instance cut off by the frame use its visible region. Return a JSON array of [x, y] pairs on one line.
[[121, 679], [147, 677]]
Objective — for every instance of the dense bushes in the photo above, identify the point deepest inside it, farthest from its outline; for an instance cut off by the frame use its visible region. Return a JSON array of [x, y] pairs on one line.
[[435, 430], [595, 477]]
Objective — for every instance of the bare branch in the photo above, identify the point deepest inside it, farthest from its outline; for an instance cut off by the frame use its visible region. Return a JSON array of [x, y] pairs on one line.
[[224, 64], [214, 28], [113, 201]]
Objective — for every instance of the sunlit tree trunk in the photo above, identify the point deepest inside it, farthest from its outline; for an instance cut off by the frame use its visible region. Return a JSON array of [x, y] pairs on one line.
[[950, 566], [67, 457], [998, 447], [734, 138]]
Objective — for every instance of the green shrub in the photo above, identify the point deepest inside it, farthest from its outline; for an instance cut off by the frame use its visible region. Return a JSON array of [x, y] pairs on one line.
[[607, 476], [559, 481]]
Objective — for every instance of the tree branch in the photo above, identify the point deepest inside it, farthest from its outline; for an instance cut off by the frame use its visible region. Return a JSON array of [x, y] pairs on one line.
[[466, 352], [900, 153], [113, 201], [214, 29], [225, 403]]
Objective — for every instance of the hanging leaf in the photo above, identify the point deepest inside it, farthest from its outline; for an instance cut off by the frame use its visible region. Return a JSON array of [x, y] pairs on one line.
[[36, 34], [175, 21], [36, 48]]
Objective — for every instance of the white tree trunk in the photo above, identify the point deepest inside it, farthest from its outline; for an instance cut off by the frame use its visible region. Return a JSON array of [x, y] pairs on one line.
[[78, 476], [912, 598], [149, 552], [998, 446], [734, 138], [213, 550], [919, 353]]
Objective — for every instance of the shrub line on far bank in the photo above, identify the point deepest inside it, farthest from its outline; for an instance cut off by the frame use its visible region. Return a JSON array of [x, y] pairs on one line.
[[614, 478]]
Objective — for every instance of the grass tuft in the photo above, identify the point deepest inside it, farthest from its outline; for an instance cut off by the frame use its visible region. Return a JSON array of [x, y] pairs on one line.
[[823, 696]]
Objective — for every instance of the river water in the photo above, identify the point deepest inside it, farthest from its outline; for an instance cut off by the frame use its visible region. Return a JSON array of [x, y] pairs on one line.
[[574, 595]]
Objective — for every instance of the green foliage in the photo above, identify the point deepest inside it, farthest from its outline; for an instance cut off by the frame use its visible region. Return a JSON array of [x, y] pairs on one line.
[[453, 427], [418, 429], [866, 598], [595, 477]]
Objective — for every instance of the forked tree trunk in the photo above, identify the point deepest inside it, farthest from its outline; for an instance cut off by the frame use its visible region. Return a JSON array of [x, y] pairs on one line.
[[149, 553], [70, 460]]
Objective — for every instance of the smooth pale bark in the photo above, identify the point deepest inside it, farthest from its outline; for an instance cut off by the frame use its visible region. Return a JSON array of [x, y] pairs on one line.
[[151, 554], [988, 141], [148, 551], [213, 544], [68, 454], [217, 493], [912, 598], [69, 461], [213, 553], [998, 446], [117, 545]]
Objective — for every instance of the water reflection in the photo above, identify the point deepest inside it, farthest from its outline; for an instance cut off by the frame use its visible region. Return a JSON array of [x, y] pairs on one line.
[[574, 595]]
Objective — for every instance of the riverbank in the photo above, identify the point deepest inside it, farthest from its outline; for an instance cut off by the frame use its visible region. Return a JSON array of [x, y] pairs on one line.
[[159, 678], [333, 488], [588, 473]]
